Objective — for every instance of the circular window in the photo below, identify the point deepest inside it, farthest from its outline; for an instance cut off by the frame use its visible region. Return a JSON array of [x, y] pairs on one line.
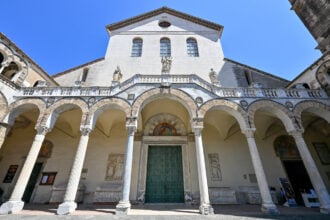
[[164, 24]]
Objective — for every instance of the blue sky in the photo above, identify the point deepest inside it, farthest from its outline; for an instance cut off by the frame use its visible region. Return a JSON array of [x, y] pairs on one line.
[[62, 34]]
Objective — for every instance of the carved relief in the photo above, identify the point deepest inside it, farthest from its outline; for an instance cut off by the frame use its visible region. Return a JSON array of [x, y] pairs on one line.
[[115, 167], [215, 167]]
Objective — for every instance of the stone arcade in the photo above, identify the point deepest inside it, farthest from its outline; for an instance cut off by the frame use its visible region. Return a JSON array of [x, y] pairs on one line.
[[164, 117]]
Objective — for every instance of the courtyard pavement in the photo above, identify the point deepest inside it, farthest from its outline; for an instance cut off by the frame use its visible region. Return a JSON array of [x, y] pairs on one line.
[[164, 212]]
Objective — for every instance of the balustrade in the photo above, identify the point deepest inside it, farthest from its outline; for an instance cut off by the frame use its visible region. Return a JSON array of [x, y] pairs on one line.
[[173, 79]]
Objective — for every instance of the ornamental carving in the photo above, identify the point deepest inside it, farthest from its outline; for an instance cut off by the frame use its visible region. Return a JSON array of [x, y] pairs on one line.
[[165, 125]]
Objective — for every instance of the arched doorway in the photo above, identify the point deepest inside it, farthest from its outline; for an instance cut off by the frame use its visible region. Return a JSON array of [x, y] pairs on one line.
[[164, 181], [286, 149], [164, 175]]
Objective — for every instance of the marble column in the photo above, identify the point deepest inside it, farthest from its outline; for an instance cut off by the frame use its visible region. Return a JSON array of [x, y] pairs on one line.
[[124, 204], [69, 205], [15, 203], [205, 207], [313, 172], [267, 205]]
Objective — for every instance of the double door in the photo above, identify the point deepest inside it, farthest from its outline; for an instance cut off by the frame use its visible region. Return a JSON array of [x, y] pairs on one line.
[[164, 175]]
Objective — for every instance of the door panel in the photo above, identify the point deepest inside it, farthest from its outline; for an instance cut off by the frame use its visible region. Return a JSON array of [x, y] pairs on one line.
[[164, 175], [32, 182], [298, 177]]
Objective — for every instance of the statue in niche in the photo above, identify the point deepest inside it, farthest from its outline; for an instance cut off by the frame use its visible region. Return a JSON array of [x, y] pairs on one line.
[[215, 167], [166, 64], [213, 76], [117, 75], [115, 167]]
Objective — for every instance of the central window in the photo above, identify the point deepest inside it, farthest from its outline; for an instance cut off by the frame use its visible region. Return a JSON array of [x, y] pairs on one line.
[[165, 47]]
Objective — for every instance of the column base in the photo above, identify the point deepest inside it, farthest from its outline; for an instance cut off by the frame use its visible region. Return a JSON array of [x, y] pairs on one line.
[[66, 208], [206, 209], [269, 209], [325, 209], [11, 207], [122, 208]]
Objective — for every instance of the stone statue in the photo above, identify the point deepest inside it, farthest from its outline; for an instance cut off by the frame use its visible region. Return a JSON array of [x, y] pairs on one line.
[[117, 75], [166, 64], [213, 76]]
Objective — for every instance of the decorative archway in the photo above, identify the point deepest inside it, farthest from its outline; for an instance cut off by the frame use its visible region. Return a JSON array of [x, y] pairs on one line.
[[231, 108], [174, 94], [60, 106], [278, 110], [104, 104], [316, 108], [164, 125]]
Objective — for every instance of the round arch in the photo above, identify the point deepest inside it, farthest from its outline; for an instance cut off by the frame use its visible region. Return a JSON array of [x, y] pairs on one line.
[[6, 52], [230, 107], [173, 94], [323, 75], [316, 108], [104, 104], [277, 109], [24, 105], [63, 105]]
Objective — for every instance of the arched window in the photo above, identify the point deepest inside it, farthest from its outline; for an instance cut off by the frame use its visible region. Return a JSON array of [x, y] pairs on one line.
[[192, 48], [165, 47], [10, 70], [137, 47]]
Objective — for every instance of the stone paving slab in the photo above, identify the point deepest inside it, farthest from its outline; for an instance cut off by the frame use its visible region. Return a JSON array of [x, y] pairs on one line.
[[164, 212]]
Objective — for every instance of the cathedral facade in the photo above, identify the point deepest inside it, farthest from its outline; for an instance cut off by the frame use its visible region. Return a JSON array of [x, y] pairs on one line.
[[164, 117]]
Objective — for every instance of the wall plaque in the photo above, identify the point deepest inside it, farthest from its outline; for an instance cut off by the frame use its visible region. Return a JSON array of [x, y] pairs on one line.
[[215, 167], [10, 174], [115, 167]]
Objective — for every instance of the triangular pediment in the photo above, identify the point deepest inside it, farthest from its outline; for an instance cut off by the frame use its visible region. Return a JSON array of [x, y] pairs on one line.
[[164, 10]]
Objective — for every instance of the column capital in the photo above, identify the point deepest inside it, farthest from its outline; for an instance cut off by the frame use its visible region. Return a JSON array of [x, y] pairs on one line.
[[5, 125], [5, 63], [296, 133], [85, 131], [131, 125], [197, 125], [42, 130], [249, 133]]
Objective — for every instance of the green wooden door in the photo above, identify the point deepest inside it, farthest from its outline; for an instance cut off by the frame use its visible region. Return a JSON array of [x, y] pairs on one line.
[[164, 175], [32, 182]]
